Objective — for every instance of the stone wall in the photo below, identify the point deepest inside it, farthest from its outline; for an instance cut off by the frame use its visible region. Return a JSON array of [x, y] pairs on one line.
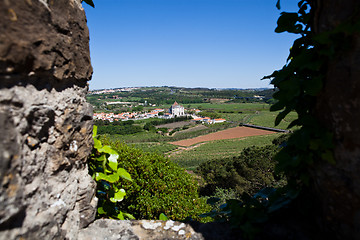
[[46, 130], [337, 186], [45, 122]]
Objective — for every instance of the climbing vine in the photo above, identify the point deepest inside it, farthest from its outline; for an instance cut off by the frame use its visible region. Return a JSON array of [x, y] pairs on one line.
[[103, 167], [297, 86], [298, 83]]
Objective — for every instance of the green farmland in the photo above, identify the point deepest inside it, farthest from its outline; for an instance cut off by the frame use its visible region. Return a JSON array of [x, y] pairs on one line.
[[192, 157]]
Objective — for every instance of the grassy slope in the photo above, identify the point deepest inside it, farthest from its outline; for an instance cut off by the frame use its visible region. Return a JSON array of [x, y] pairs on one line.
[[267, 119]]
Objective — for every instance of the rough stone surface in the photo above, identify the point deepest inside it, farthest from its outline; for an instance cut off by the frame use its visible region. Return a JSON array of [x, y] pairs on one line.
[[46, 132], [43, 39], [337, 186], [138, 230], [45, 122]]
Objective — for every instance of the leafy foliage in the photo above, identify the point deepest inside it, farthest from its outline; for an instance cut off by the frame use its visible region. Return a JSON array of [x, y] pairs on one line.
[[118, 127], [248, 173], [149, 127], [298, 84], [90, 2], [158, 186], [159, 121], [163, 217], [250, 213], [103, 167]]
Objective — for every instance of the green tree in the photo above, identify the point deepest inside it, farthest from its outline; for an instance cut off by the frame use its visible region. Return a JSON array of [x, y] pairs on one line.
[[138, 108], [247, 173], [149, 127]]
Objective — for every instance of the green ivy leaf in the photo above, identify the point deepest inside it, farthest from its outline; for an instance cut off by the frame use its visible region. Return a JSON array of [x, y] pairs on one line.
[[278, 4], [90, 2], [294, 123], [94, 131], [313, 86], [101, 158], [109, 178], [113, 163], [163, 217], [124, 174], [129, 216], [97, 144], [281, 116], [329, 157], [101, 210], [120, 216], [118, 196], [277, 106], [287, 22], [107, 149]]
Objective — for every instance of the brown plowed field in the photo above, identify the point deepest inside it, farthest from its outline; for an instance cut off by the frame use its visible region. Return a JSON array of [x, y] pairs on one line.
[[237, 132]]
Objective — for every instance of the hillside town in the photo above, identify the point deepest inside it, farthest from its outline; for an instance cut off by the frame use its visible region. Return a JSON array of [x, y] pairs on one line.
[[176, 110]]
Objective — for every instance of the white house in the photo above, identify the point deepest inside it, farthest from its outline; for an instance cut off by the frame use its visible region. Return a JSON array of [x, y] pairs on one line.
[[218, 120], [177, 110]]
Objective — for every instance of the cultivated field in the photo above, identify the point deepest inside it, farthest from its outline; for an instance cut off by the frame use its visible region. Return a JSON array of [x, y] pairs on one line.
[[154, 147], [175, 125], [237, 132], [194, 144], [267, 119], [191, 157], [243, 107]]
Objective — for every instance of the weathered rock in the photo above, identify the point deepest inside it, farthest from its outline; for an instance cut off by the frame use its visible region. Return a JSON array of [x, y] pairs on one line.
[[46, 131], [43, 39], [337, 186], [45, 122], [138, 230]]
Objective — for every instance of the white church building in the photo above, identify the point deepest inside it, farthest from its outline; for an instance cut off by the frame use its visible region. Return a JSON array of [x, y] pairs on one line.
[[176, 110]]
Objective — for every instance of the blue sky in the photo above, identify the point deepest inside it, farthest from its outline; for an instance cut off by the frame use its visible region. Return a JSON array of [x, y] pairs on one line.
[[186, 43]]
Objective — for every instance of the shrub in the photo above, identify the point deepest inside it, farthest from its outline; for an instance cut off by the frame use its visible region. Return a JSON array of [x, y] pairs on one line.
[[185, 127], [159, 121], [221, 195], [121, 130], [248, 173], [149, 127], [158, 186], [118, 127], [174, 130], [164, 130]]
